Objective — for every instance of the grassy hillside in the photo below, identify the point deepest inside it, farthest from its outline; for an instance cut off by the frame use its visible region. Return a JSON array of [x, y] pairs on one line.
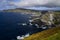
[[56, 36], [50, 34]]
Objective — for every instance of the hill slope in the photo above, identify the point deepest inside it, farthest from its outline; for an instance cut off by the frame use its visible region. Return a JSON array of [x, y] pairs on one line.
[[45, 35]]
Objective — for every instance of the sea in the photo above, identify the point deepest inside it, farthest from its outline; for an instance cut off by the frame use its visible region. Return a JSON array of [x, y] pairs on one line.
[[13, 24]]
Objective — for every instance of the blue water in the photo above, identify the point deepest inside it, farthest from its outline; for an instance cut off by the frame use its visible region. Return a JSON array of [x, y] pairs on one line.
[[9, 28]]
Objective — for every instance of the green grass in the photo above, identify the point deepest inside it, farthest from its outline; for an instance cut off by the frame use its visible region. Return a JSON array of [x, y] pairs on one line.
[[54, 37], [50, 34]]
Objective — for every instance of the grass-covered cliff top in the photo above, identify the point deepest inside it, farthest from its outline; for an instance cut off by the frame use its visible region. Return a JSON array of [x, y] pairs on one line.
[[50, 34]]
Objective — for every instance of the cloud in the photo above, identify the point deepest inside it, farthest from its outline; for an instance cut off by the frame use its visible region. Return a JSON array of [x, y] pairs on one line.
[[23, 3], [5, 4], [8, 4]]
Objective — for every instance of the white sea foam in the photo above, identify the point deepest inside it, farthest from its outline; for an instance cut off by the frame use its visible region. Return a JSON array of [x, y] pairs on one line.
[[24, 24], [37, 25], [22, 37], [30, 20], [44, 27], [27, 35], [30, 24]]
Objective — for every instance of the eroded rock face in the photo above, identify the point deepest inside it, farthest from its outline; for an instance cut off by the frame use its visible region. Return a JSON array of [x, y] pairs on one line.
[[38, 21], [57, 18], [49, 18]]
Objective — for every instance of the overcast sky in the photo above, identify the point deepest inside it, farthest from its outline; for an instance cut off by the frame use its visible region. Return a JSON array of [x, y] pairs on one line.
[[8, 4]]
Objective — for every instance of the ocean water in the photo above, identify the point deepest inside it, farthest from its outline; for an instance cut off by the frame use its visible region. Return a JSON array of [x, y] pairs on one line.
[[11, 25]]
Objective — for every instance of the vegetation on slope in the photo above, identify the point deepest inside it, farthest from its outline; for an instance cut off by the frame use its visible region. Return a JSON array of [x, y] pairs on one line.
[[45, 35], [53, 37]]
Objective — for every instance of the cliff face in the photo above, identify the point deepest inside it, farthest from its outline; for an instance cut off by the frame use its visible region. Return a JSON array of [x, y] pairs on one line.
[[51, 17], [57, 18]]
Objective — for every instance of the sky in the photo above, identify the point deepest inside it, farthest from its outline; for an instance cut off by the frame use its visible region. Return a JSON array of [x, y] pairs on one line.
[[31, 4]]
